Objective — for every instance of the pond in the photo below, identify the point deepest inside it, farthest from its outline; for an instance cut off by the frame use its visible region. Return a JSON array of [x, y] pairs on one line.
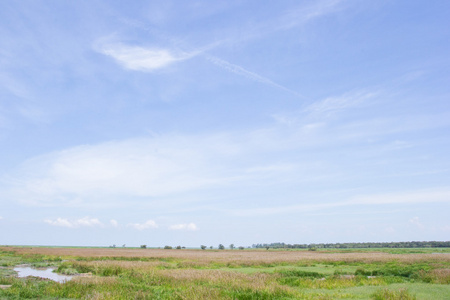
[[24, 271]]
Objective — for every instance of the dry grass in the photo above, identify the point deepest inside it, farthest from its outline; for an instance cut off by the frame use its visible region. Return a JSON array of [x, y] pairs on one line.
[[194, 283], [238, 257], [441, 276], [256, 281]]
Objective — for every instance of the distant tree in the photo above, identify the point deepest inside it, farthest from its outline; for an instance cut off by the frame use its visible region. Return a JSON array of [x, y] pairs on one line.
[[221, 247], [167, 247], [123, 246], [231, 246], [178, 247], [114, 246], [203, 247], [267, 247], [210, 247], [241, 248], [143, 246]]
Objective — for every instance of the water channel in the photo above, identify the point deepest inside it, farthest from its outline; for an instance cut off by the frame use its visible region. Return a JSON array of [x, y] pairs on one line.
[[25, 271]]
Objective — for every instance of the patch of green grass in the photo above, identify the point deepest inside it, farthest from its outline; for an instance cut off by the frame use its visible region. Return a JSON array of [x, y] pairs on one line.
[[393, 269]]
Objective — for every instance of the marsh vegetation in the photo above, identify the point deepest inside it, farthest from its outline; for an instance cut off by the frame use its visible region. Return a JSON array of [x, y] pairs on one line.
[[125, 273]]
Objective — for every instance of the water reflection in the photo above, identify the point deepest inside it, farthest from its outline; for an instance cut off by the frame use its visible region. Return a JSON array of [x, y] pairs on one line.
[[43, 273]]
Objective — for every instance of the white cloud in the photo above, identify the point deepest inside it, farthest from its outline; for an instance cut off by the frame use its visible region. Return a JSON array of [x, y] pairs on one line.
[[114, 223], [188, 227], [83, 222], [416, 222], [135, 168], [149, 224], [142, 59]]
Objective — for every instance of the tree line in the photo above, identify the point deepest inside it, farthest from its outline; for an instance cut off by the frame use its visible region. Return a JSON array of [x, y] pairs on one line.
[[414, 244]]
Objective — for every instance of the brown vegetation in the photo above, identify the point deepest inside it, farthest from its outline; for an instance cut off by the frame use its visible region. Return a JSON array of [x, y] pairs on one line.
[[248, 257]]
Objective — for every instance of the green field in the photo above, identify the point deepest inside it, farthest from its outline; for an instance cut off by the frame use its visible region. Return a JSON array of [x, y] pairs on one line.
[[103, 273]]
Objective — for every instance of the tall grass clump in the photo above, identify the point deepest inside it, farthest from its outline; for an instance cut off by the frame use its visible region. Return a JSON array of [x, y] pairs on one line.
[[440, 276], [387, 294]]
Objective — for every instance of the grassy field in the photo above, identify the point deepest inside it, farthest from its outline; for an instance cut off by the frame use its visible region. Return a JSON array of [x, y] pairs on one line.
[[125, 273]]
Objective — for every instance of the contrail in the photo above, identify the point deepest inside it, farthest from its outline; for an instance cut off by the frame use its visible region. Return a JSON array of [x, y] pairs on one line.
[[250, 75]]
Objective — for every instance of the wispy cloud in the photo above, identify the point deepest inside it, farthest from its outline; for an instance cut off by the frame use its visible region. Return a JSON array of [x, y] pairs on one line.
[[410, 197], [114, 223], [304, 14], [136, 167], [289, 20], [250, 75], [141, 58], [149, 224], [83, 222], [187, 227], [441, 195], [170, 165], [331, 105], [416, 222]]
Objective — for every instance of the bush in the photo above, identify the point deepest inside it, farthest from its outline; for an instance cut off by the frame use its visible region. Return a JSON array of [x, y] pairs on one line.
[[167, 247]]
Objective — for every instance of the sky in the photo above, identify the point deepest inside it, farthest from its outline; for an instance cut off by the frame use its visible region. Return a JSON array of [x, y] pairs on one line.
[[204, 122]]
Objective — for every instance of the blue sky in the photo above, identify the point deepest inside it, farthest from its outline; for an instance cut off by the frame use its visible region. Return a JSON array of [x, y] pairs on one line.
[[207, 122]]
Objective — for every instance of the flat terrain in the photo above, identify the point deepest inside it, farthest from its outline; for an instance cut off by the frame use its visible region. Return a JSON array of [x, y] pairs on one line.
[[242, 256], [124, 273]]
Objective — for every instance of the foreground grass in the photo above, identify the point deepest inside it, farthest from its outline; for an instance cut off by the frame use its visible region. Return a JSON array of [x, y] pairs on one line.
[[196, 274]]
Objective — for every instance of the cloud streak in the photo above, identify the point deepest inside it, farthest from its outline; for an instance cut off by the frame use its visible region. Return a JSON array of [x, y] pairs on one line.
[[250, 75], [441, 195], [332, 105]]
